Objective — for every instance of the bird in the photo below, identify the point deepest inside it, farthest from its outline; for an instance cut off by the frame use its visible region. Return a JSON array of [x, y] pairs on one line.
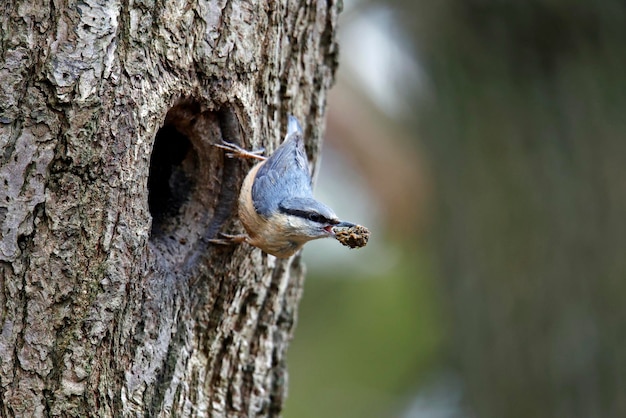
[[276, 204]]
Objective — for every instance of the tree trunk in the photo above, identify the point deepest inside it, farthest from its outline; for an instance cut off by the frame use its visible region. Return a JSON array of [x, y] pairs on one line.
[[113, 301], [527, 133]]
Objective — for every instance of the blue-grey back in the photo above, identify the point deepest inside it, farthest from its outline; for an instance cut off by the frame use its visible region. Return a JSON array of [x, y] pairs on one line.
[[284, 174]]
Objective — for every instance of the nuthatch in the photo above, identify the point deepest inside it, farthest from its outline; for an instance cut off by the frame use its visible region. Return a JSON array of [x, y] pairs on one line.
[[276, 203]]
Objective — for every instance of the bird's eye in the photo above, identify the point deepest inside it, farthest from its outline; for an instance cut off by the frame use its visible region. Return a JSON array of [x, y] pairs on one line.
[[316, 217]]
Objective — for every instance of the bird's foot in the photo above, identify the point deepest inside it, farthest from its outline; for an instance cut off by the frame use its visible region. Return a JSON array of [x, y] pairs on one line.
[[227, 239], [235, 151]]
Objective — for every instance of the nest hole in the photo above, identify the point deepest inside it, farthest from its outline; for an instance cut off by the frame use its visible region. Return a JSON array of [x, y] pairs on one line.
[[192, 190], [171, 178]]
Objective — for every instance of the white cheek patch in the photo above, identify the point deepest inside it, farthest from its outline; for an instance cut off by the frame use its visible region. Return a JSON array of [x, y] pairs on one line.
[[296, 224]]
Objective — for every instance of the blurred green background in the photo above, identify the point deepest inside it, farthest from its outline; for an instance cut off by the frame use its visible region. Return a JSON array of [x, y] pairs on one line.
[[484, 144]]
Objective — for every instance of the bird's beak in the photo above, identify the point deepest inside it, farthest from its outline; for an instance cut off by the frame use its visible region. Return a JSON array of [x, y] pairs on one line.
[[344, 224], [331, 228]]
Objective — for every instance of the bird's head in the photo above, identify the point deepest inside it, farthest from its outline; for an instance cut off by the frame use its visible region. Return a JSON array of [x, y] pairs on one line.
[[306, 219]]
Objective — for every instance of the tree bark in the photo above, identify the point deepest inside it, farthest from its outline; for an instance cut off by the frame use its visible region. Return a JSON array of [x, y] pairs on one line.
[[113, 302]]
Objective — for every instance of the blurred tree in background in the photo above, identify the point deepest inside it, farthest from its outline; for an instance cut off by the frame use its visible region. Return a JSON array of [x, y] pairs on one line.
[[521, 111], [527, 136]]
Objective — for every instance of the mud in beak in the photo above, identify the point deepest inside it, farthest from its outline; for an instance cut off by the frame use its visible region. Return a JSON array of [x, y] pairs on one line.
[[332, 229]]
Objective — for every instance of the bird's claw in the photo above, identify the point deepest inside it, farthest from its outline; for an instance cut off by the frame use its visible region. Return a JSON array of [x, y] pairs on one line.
[[227, 239], [235, 151]]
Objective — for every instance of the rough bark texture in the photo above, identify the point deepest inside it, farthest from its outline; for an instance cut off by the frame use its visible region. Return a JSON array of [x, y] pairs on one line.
[[113, 303]]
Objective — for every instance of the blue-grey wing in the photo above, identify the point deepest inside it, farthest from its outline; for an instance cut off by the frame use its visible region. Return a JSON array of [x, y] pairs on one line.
[[284, 174]]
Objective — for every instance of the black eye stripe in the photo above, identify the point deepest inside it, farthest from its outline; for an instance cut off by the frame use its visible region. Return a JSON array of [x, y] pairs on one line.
[[312, 216]]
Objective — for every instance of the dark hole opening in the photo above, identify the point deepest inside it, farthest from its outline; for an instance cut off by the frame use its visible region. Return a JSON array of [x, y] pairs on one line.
[[170, 181]]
